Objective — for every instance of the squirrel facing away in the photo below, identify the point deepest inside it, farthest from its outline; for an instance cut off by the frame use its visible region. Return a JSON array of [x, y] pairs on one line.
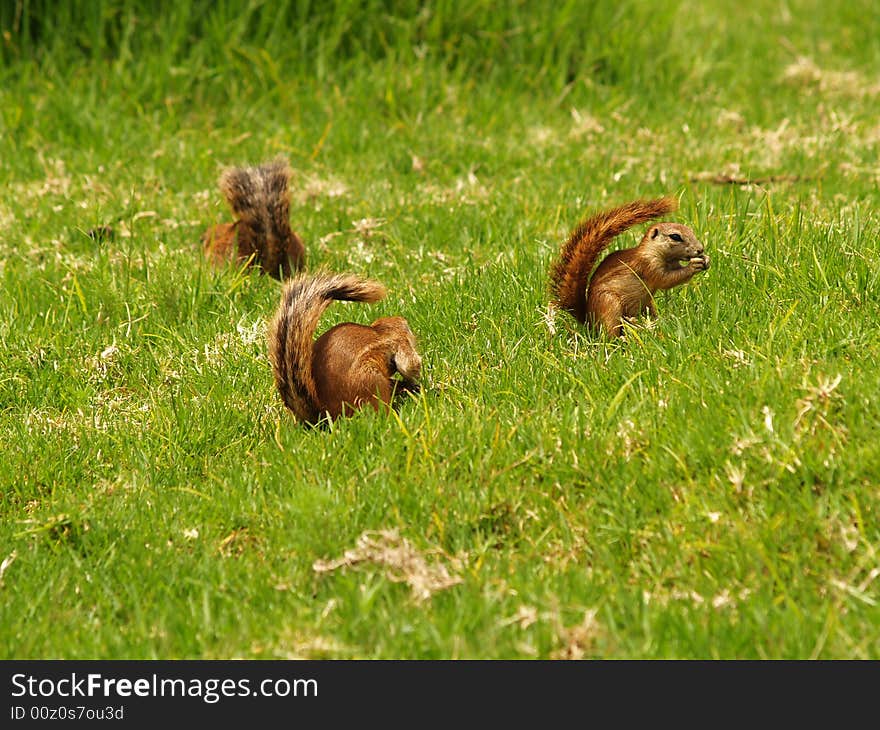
[[623, 285], [260, 199], [347, 367]]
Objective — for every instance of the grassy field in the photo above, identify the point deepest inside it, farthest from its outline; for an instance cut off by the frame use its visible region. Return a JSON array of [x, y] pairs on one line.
[[710, 488]]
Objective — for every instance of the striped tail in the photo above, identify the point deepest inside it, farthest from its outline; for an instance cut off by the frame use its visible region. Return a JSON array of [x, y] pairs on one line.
[[260, 199]]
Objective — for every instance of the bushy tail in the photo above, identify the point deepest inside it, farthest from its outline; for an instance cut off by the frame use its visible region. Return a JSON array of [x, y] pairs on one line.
[[570, 274], [260, 198], [291, 333]]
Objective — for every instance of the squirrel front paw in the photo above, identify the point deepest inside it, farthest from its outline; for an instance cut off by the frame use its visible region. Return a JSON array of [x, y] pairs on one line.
[[700, 263]]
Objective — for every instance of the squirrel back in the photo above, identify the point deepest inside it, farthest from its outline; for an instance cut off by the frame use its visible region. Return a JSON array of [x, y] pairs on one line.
[[350, 364], [260, 199], [570, 274]]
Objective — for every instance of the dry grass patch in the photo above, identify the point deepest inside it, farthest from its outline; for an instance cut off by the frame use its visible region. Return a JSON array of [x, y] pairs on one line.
[[401, 561]]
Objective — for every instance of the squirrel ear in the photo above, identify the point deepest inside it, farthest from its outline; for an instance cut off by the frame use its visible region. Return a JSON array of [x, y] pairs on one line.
[[654, 232]]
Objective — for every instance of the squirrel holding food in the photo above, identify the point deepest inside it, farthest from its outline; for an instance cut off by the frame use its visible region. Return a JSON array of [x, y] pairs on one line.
[[623, 285]]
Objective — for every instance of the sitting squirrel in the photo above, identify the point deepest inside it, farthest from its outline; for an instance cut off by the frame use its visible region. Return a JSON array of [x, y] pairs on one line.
[[260, 199], [623, 285], [350, 365]]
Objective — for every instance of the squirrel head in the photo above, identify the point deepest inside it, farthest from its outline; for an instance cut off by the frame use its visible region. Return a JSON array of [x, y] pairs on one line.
[[675, 242], [403, 355]]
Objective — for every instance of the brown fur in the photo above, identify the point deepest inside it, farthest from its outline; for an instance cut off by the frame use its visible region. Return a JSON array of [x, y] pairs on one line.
[[347, 367], [260, 199], [623, 285]]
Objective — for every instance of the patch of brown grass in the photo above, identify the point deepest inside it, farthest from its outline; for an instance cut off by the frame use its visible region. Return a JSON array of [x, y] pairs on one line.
[[400, 560]]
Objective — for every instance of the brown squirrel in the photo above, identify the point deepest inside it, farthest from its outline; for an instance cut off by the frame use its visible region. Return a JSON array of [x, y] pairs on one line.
[[260, 199], [350, 365], [623, 285]]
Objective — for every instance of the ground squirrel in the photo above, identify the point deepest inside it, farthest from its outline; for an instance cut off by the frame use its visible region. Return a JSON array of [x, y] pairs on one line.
[[350, 365], [260, 199], [623, 285]]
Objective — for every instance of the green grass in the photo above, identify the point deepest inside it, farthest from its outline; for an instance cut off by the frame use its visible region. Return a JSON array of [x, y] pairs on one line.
[[710, 488]]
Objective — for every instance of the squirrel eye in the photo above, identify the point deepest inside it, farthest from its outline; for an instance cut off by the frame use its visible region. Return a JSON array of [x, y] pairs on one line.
[[676, 237]]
